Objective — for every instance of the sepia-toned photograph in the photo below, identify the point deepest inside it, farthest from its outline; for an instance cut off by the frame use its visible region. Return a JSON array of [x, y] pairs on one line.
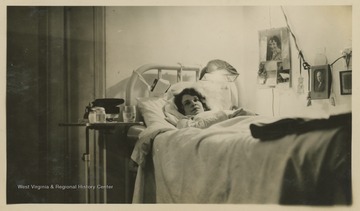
[[171, 104], [320, 82], [275, 46]]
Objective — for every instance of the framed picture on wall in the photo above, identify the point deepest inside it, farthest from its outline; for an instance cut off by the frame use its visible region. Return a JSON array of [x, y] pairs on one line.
[[345, 82], [320, 82], [275, 46]]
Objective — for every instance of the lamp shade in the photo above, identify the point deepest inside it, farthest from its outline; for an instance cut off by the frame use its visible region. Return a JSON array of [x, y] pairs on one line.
[[218, 70]]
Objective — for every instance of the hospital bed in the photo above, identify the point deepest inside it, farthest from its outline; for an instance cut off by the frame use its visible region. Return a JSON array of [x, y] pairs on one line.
[[243, 160]]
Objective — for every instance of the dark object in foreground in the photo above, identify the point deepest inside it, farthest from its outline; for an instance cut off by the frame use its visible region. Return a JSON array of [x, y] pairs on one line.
[[278, 129]]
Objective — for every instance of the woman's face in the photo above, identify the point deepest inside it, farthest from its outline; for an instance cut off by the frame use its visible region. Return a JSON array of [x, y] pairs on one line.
[[273, 45], [192, 105]]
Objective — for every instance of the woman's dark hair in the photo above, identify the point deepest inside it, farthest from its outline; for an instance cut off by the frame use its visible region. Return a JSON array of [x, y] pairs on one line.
[[277, 40], [192, 92]]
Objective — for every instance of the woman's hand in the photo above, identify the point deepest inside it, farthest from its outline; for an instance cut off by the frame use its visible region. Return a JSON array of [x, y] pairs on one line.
[[237, 112], [241, 112]]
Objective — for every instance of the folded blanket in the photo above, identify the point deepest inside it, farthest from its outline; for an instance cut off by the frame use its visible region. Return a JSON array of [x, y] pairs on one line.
[[280, 128]]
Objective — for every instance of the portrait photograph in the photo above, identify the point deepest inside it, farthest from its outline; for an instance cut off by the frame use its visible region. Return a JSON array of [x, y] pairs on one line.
[[274, 46], [320, 82], [345, 82]]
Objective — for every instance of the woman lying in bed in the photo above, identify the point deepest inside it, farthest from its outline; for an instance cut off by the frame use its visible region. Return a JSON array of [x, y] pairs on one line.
[[192, 104]]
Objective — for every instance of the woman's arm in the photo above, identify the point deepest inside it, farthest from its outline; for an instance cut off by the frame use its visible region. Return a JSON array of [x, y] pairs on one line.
[[203, 120], [240, 112], [208, 118]]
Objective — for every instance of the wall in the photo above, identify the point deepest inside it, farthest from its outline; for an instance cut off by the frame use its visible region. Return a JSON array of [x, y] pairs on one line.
[[319, 30], [194, 35], [190, 35]]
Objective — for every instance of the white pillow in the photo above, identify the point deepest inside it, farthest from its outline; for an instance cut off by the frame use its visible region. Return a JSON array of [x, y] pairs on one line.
[[219, 95], [151, 108], [171, 112]]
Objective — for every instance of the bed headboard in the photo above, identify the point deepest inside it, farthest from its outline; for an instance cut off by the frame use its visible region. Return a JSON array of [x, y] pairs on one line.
[[130, 99]]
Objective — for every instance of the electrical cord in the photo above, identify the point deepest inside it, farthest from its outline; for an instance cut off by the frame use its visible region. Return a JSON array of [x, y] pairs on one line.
[[306, 65], [337, 60]]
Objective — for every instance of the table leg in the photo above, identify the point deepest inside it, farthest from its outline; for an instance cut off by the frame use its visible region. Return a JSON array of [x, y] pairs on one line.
[[127, 182], [128, 197], [104, 176], [102, 167], [86, 159]]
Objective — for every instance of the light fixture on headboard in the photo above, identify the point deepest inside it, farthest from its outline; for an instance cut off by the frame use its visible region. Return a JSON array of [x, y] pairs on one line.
[[218, 70]]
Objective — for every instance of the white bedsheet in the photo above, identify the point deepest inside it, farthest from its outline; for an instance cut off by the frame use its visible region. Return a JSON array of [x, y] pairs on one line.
[[225, 164]]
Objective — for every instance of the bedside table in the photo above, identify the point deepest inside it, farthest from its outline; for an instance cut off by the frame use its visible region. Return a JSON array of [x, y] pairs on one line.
[[101, 168]]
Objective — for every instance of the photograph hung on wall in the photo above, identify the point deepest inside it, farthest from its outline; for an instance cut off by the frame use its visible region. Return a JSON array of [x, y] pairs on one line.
[[275, 62], [345, 82], [320, 82]]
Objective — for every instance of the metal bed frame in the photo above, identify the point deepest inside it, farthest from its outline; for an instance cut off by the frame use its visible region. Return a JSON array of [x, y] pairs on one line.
[[129, 99]]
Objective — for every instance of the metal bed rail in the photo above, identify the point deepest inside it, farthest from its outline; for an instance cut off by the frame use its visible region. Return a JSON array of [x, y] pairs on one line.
[[129, 99]]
